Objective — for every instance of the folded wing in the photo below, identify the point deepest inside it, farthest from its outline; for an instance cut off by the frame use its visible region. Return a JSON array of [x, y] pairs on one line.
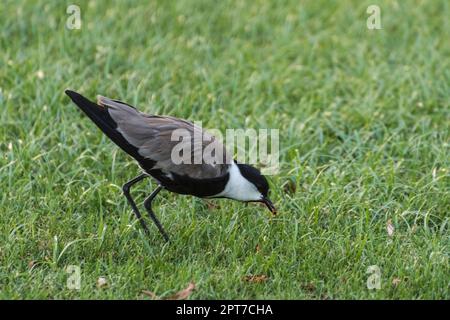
[[156, 137]]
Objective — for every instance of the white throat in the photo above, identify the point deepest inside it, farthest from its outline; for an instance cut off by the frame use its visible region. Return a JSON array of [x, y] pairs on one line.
[[238, 187]]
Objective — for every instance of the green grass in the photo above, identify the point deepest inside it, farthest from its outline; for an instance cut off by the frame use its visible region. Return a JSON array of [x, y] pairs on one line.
[[364, 135]]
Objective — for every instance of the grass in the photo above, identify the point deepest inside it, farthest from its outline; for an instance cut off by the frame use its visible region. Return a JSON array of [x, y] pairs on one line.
[[364, 136]]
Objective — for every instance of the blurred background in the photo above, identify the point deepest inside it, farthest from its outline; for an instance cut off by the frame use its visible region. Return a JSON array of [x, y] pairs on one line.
[[364, 136]]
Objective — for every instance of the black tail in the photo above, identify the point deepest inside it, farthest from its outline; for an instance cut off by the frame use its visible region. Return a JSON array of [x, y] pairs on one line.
[[100, 116]]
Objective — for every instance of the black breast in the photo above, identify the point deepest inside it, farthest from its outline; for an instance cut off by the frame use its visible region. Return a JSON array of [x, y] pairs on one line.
[[183, 184]]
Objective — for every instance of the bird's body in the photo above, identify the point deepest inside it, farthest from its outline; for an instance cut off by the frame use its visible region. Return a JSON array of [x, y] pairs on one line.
[[149, 140]]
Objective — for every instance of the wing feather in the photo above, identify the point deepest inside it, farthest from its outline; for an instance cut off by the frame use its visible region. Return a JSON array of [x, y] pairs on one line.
[[153, 137]]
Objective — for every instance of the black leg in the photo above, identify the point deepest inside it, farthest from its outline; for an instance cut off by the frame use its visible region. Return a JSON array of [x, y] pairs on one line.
[[148, 207], [126, 191]]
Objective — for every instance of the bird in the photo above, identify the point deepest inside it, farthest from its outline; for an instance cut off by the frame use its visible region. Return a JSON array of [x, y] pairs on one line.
[[148, 139]]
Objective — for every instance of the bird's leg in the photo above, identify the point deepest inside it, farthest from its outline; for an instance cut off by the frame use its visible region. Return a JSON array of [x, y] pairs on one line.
[[126, 191], [148, 207]]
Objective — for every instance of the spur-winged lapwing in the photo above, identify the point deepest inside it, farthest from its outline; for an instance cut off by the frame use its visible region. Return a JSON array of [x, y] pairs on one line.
[[148, 139]]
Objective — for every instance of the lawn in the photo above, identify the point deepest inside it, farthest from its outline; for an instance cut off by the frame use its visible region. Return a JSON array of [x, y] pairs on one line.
[[364, 119]]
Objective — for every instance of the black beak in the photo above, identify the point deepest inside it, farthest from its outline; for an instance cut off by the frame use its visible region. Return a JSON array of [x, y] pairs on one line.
[[270, 205]]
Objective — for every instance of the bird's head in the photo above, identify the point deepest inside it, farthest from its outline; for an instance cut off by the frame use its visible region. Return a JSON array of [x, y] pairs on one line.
[[254, 186]]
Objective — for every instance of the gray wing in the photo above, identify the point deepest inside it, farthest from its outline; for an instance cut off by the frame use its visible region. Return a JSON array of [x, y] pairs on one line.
[[157, 137]]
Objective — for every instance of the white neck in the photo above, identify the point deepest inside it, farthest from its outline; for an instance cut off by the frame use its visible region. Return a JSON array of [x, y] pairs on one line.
[[239, 188]]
